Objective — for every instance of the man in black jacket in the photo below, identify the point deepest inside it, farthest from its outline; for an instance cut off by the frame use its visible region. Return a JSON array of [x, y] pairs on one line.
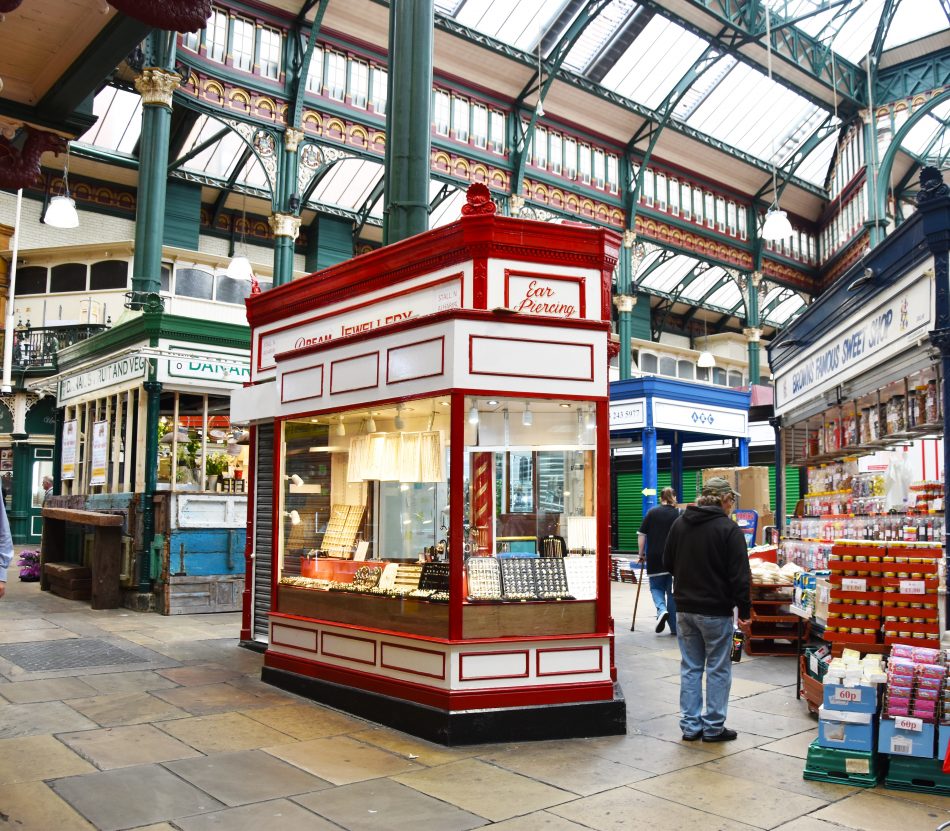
[[706, 554]]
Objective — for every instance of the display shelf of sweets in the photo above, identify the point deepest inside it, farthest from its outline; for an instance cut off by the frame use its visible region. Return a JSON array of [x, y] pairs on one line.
[[915, 678], [857, 592], [911, 599], [927, 498]]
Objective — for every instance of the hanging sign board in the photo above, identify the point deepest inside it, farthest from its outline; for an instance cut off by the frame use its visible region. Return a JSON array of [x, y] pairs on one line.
[[100, 446], [548, 295], [70, 436], [204, 367], [103, 380]]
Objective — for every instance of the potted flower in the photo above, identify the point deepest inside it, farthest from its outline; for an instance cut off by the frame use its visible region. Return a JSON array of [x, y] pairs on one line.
[[215, 465], [29, 565]]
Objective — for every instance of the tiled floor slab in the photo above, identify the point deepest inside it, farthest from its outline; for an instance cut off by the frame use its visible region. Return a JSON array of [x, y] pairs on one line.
[[767, 724], [780, 702], [668, 728], [246, 776], [213, 698], [484, 790], [306, 721], [342, 760], [34, 758], [538, 821], [869, 811], [277, 815], [382, 805], [112, 683], [60, 689], [25, 623], [649, 753], [754, 803], [200, 675], [126, 708], [119, 747], [37, 635], [625, 809], [128, 797], [409, 747], [796, 745], [38, 719], [223, 733], [811, 824], [32, 806]]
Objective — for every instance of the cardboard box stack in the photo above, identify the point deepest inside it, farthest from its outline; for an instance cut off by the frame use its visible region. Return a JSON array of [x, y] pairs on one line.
[[916, 679], [847, 718]]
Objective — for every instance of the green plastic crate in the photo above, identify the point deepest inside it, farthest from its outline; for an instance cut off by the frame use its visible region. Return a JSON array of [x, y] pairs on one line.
[[861, 769], [819, 663], [911, 773]]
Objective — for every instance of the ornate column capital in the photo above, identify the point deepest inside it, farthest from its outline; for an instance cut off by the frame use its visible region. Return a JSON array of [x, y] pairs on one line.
[[292, 139], [752, 334], [756, 278], [515, 204], [156, 86], [629, 238], [625, 302], [284, 225]]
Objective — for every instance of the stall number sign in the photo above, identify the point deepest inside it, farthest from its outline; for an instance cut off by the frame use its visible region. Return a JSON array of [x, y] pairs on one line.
[[913, 587], [70, 432], [854, 584], [847, 695]]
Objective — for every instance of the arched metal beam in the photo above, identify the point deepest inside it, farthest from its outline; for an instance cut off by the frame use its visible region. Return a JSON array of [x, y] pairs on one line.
[[226, 191], [367, 207]]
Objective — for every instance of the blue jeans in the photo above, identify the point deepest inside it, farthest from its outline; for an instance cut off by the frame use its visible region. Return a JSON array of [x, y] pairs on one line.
[[661, 587], [705, 644]]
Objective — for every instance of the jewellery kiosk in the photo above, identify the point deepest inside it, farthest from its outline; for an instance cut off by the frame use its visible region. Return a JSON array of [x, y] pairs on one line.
[[440, 555]]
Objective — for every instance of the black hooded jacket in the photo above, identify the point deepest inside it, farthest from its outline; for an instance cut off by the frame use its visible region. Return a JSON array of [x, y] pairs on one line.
[[707, 556]]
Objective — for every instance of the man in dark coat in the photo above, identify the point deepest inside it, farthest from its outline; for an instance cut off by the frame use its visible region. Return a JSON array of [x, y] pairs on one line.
[[651, 539]]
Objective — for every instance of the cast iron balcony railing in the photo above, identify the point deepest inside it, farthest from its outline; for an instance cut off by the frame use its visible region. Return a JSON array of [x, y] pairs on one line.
[[37, 348]]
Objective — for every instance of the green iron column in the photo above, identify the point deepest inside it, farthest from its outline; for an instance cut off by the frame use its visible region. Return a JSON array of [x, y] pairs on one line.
[[284, 222], [408, 131], [752, 331], [153, 390], [625, 300]]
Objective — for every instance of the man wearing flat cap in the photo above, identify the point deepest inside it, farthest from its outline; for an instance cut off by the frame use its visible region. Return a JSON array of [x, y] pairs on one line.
[[706, 554]]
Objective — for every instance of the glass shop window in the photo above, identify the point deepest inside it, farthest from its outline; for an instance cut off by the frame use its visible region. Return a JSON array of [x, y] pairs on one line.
[[315, 72], [336, 76], [270, 53], [109, 274], [442, 112], [497, 137], [359, 84], [731, 218], [242, 44], [709, 202], [460, 118], [31, 280], [721, 214], [191, 40], [674, 197], [67, 277], [661, 191], [686, 201], [698, 202], [480, 125], [570, 158], [231, 290], [649, 363], [668, 366], [743, 221], [540, 147], [380, 91], [557, 153], [719, 376], [686, 369], [194, 282], [735, 378], [216, 36], [165, 278], [702, 373]]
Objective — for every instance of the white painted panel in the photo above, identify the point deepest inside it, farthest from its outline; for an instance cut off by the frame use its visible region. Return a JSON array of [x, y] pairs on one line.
[[415, 360], [531, 358], [361, 372], [254, 403], [354, 649], [416, 661], [294, 636], [564, 661], [210, 510], [302, 384], [700, 418], [473, 666], [628, 414]]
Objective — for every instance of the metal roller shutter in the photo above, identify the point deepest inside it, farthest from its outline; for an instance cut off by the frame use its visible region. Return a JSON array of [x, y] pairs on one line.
[[263, 528]]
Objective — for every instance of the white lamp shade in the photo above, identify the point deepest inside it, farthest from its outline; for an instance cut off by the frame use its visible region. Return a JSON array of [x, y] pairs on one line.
[[61, 213], [706, 359], [240, 269], [776, 227]]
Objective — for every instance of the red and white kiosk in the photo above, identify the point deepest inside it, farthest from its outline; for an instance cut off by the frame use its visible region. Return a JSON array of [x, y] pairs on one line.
[[440, 546]]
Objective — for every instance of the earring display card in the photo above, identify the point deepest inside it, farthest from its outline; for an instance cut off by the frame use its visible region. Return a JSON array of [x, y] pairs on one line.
[[518, 579], [484, 578], [435, 577], [581, 577], [552, 579], [407, 577]]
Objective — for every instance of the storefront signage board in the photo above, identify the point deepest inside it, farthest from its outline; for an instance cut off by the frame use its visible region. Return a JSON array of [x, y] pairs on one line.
[[122, 373], [700, 418], [70, 440], [628, 415], [100, 446], [205, 367], [891, 326], [548, 295]]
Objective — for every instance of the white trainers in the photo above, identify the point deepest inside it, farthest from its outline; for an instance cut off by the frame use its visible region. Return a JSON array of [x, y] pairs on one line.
[[661, 622]]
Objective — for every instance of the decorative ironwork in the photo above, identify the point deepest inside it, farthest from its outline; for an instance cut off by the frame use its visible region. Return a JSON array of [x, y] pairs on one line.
[[157, 86], [313, 159], [284, 225], [478, 200], [37, 348], [20, 168], [264, 144], [169, 15]]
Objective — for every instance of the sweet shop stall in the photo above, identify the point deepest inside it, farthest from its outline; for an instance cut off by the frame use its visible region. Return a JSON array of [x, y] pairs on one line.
[[439, 551], [860, 391]]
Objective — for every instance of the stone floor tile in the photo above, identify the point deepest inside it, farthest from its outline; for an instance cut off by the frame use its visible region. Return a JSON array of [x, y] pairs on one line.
[[119, 747], [934, 799], [278, 815], [34, 758], [413, 748], [36, 635], [648, 752], [484, 790], [159, 826], [780, 701], [126, 708], [870, 811], [213, 698], [625, 809], [19, 624], [45, 717], [32, 806], [124, 682], [59, 689], [382, 804], [307, 721], [538, 821], [768, 725], [755, 803], [246, 776], [575, 770], [809, 823], [342, 760], [125, 798], [223, 733], [777, 770], [796, 745], [199, 675], [668, 728]]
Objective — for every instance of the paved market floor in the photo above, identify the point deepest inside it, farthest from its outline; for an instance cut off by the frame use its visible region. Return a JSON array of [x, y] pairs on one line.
[[117, 720]]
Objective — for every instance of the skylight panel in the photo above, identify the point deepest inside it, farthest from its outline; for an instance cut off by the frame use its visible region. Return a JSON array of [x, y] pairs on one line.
[[348, 184], [598, 34], [520, 23], [667, 276], [702, 285], [119, 122]]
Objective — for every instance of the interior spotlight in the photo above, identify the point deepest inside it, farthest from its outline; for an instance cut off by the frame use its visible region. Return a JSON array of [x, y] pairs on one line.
[[527, 417], [295, 480], [340, 428], [399, 422], [473, 415], [294, 517], [371, 424]]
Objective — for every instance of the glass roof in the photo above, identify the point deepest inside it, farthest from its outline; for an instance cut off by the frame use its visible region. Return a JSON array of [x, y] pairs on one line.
[[119, 124]]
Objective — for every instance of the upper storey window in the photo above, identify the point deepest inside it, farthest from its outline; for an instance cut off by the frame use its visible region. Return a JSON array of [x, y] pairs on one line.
[[315, 73], [497, 138], [336, 76], [216, 36], [243, 44], [380, 89], [442, 112], [359, 84], [270, 53]]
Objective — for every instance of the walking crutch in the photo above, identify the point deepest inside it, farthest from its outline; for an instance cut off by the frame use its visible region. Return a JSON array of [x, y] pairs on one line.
[[633, 623]]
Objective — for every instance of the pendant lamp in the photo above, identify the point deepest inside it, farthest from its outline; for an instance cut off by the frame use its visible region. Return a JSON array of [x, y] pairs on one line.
[[61, 211], [776, 226]]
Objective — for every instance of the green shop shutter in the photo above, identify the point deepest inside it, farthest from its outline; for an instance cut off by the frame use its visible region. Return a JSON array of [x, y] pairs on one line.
[[182, 214], [629, 509]]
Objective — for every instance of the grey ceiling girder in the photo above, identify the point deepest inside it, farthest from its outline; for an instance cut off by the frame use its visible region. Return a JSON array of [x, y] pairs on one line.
[[200, 148]]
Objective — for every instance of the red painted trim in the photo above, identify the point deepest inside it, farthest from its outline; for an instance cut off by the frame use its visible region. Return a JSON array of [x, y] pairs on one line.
[[592, 648], [456, 505], [384, 665], [479, 283], [283, 379], [440, 340], [527, 373], [445, 700], [276, 527], [415, 289], [341, 361], [323, 647], [581, 283], [313, 632], [247, 626], [463, 655], [602, 509]]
